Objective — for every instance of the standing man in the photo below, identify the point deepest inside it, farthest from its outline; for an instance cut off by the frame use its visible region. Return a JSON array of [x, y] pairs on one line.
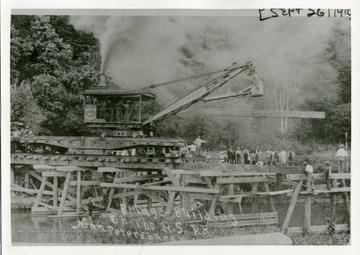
[[327, 174], [309, 172], [246, 157], [276, 157], [193, 149], [282, 157], [268, 156], [198, 141], [341, 156], [238, 155], [228, 153], [291, 157]]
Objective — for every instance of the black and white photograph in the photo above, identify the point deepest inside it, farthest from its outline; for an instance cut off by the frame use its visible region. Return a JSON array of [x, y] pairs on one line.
[[180, 127]]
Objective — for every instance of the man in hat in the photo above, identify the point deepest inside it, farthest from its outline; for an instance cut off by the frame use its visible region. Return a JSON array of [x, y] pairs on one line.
[[238, 155], [309, 171], [341, 156], [327, 174]]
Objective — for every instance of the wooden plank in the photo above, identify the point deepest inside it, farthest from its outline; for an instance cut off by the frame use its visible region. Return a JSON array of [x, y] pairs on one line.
[[326, 191], [247, 216], [234, 198], [64, 193], [170, 202], [290, 211], [302, 177], [233, 173], [44, 167], [215, 199], [345, 198], [307, 221], [73, 168], [201, 196], [26, 181], [274, 193], [166, 180], [15, 187], [139, 178], [53, 174], [254, 189], [222, 180], [185, 172], [47, 206], [218, 169], [244, 223], [78, 192], [270, 199], [208, 182], [55, 192], [340, 176], [264, 113], [85, 183], [182, 189], [111, 193], [40, 193]]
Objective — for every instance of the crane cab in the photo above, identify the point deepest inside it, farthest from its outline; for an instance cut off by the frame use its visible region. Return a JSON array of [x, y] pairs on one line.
[[118, 111]]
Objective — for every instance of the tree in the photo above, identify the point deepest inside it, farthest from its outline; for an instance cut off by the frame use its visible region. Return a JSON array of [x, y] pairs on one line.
[[24, 107], [283, 96], [55, 73]]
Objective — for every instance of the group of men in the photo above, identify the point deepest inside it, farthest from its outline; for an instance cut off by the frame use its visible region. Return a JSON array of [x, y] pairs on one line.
[[341, 157], [192, 150], [255, 157]]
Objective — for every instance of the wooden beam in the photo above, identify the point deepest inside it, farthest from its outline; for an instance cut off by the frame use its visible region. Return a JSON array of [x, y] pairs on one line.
[[270, 199], [65, 191], [139, 178], [85, 183], [78, 193], [290, 211], [15, 187], [340, 176], [300, 177], [55, 192], [307, 220], [264, 113], [226, 169], [215, 199], [39, 194], [53, 174], [222, 180]]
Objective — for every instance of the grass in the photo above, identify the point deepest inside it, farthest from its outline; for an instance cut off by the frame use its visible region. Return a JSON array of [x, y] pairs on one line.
[[322, 239]]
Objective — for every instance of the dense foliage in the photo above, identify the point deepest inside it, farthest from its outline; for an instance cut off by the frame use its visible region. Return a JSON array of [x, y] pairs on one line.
[[51, 64]]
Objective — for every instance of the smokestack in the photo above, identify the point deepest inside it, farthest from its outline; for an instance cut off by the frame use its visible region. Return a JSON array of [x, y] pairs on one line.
[[102, 80]]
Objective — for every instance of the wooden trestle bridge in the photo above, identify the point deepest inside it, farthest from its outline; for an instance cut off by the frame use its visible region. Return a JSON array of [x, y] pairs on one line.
[[62, 184]]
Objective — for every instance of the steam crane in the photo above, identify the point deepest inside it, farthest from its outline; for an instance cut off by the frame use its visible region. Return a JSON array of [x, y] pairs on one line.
[[124, 118]]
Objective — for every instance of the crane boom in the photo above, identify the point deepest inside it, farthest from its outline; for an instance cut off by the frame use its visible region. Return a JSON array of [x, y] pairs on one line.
[[203, 91]]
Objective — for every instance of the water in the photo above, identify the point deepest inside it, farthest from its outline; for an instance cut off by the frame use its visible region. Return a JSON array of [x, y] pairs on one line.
[[27, 228]]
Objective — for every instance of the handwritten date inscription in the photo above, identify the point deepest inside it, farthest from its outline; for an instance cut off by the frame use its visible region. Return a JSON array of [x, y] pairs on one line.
[[266, 14]]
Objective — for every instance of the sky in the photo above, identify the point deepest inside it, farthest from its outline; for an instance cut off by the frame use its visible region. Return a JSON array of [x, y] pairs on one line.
[[140, 50]]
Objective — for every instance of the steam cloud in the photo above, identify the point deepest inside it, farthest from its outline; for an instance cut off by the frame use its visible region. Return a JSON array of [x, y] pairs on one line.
[[140, 50]]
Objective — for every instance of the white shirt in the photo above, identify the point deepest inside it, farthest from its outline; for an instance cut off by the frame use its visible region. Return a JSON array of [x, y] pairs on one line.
[[309, 169], [192, 147], [198, 142], [341, 153]]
